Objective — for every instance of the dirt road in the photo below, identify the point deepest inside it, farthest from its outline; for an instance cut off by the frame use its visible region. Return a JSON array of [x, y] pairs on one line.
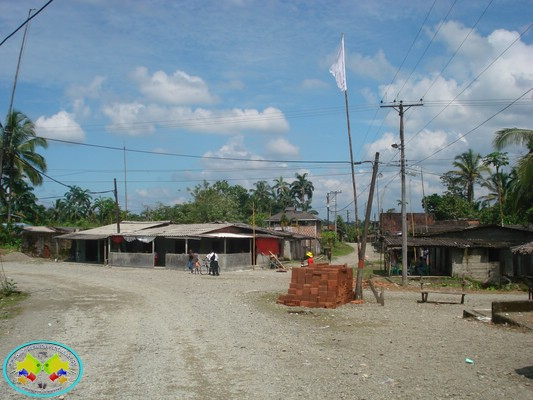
[[161, 334]]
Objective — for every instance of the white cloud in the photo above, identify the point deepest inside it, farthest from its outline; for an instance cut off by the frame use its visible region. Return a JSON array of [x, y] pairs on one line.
[[179, 88], [61, 126], [376, 67], [93, 90], [128, 119], [270, 120], [312, 84], [463, 111], [282, 148], [137, 119]]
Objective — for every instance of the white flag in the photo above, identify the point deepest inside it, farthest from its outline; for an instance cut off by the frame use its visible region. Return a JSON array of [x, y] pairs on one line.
[[338, 69]]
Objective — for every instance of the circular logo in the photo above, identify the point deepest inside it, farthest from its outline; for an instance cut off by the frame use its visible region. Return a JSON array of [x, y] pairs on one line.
[[42, 369]]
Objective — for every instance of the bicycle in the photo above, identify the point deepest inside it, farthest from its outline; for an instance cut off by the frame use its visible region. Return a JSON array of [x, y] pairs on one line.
[[205, 269]]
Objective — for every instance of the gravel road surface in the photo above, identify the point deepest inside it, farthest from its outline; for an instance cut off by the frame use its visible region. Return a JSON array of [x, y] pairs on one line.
[[162, 334]]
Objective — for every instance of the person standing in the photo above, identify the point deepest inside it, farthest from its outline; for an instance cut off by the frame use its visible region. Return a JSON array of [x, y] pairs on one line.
[[190, 262], [213, 263], [310, 259]]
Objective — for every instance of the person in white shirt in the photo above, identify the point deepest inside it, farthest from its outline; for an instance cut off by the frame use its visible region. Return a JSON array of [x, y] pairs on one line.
[[213, 263]]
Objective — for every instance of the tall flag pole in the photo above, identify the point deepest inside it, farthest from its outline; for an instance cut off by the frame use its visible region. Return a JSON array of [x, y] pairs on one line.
[[338, 70]]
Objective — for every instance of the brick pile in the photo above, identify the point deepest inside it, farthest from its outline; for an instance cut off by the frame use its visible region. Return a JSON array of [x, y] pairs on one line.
[[319, 286]]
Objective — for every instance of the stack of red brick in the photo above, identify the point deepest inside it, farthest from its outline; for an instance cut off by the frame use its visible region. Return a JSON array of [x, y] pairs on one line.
[[319, 286]]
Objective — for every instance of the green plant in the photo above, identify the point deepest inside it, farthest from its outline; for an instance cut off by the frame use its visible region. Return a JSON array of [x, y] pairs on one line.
[[328, 239], [11, 236], [7, 286]]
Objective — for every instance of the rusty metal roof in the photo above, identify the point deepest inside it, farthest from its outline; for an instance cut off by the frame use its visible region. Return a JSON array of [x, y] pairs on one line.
[[396, 241], [523, 249]]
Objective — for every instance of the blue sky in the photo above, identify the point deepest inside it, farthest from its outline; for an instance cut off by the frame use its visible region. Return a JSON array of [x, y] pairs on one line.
[[241, 90]]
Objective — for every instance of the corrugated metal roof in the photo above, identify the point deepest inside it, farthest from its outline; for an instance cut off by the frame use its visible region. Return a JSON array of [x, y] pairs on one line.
[[102, 232], [229, 235], [185, 230], [39, 229], [165, 229], [523, 249], [396, 241]]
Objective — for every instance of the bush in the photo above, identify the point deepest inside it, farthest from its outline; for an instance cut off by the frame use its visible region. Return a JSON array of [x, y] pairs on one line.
[[7, 286], [11, 236]]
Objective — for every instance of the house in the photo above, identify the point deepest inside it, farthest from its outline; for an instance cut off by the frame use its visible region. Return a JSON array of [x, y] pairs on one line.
[[483, 252], [163, 244], [524, 259], [301, 223], [39, 241]]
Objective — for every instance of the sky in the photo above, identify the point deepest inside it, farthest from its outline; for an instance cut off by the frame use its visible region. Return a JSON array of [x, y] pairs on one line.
[[162, 95]]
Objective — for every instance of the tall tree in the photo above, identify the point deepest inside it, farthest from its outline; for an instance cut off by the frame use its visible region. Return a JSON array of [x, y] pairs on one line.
[[497, 160], [524, 166], [282, 191], [78, 205], [104, 209], [469, 168], [21, 160], [214, 203], [262, 196], [301, 189]]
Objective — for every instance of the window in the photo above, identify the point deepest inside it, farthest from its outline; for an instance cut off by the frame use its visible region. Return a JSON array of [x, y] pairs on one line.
[[494, 255]]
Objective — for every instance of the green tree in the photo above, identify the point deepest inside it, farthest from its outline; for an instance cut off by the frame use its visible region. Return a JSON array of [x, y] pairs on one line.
[[215, 203], [77, 205], [57, 213], [469, 168], [262, 196], [104, 210], [497, 160], [24, 207], [449, 206], [302, 189], [20, 158], [282, 192], [523, 195]]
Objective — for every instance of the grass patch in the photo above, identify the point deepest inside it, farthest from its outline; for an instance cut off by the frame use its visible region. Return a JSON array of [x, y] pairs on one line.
[[341, 249], [9, 305]]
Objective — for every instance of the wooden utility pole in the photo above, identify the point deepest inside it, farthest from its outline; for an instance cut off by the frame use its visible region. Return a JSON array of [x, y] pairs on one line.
[[359, 280], [6, 151], [117, 208], [335, 193], [401, 108], [254, 257]]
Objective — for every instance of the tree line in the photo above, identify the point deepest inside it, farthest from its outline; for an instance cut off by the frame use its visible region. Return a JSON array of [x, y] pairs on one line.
[[506, 195]]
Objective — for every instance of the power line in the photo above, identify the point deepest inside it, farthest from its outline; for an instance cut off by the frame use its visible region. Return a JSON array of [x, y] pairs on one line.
[[458, 48], [426, 49], [474, 129], [409, 50], [122, 149], [25, 22], [470, 84]]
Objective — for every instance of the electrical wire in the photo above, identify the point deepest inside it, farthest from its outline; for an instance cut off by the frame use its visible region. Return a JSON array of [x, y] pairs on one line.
[[25, 22]]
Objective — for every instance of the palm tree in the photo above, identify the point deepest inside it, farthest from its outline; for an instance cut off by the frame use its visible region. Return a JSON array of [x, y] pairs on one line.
[[520, 137], [300, 188], [282, 190], [468, 172], [523, 196], [20, 159], [498, 160], [262, 196], [105, 210], [77, 204]]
